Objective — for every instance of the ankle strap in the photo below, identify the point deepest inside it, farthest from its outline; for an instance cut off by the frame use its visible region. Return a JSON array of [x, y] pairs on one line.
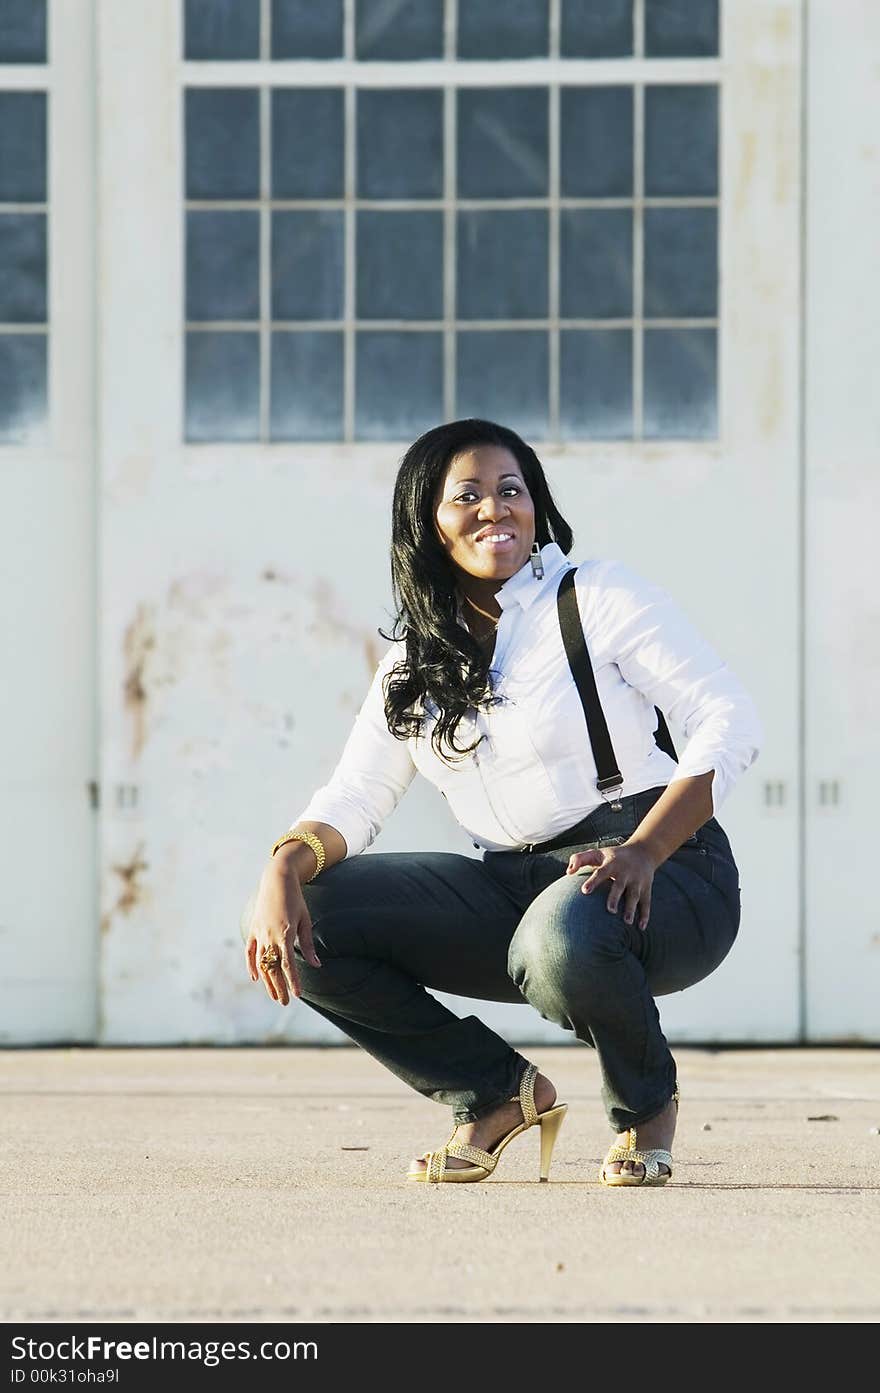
[[526, 1097]]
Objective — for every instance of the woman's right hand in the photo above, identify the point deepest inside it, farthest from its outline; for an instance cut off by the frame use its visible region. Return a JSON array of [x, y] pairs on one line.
[[280, 920]]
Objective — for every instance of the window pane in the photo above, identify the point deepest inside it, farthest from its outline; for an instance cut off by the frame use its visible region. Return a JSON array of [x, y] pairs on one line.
[[308, 265], [514, 29], [597, 31], [400, 144], [595, 384], [681, 141], [306, 401], [399, 30], [399, 265], [23, 31], [502, 265], [307, 143], [23, 268], [222, 143], [681, 263], [221, 29], [307, 29], [596, 263], [222, 386], [502, 376], [502, 142], [22, 387], [222, 275], [399, 387], [681, 28], [680, 384], [23, 147], [596, 142]]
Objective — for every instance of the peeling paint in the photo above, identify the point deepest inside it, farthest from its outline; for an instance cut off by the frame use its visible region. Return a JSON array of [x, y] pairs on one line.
[[330, 623], [132, 891], [138, 642]]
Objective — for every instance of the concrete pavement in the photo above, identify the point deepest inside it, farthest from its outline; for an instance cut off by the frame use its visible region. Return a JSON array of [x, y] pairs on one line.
[[267, 1185]]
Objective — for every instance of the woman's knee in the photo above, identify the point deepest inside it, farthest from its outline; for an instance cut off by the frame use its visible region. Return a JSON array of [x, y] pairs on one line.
[[565, 938]]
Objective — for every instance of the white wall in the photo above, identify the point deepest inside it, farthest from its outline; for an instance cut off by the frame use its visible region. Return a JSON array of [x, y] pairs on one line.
[[48, 605], [238, 639], [842, 497], [234, 646]]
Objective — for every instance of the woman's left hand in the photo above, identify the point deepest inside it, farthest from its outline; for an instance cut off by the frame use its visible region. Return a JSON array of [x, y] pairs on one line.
[[631, 869]]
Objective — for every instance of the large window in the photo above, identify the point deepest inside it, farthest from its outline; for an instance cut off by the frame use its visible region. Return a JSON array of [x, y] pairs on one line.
[[24, 309], [400, 213]]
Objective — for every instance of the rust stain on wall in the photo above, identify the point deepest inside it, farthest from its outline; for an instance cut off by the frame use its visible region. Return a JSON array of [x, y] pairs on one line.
[[138, 642], [131, 892]]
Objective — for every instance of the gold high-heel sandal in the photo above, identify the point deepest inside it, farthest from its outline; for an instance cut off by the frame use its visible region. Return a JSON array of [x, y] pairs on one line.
[[651, 1160], [485, 1162]]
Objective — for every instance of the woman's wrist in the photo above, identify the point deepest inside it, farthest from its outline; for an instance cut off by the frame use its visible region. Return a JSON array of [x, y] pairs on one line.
[[294, 859]]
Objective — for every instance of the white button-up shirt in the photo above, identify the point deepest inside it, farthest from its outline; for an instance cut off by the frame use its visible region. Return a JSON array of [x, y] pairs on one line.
[[534, 775]]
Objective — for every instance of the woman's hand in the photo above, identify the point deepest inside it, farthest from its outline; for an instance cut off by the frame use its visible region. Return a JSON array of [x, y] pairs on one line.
[[279, 920], [631, 868]]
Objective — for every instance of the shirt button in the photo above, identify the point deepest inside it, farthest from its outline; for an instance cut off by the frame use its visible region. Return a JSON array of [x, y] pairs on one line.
[[477, 845]]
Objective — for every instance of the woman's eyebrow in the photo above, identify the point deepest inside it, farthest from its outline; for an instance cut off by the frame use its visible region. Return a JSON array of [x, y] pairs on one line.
[[456, 482]]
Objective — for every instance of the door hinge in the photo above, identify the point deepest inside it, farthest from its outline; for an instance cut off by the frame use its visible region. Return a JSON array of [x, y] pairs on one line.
[[774, 793], [829, 793]]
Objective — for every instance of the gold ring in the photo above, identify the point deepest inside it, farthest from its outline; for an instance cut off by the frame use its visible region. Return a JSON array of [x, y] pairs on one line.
[[269, 959]]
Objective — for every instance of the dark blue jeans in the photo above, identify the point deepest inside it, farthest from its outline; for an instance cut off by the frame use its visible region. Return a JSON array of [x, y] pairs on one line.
[[390, 927]]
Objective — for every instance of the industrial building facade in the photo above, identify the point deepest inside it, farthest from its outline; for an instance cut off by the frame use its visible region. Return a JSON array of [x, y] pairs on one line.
[[249, 250]]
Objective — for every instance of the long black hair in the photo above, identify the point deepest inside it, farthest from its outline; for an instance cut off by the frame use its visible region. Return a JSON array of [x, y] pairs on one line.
[[444, 663]]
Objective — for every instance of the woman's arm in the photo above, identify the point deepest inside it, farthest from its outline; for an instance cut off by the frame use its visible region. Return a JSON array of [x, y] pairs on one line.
[[374, 771], [346, 814], [685, 806], [637, 625], [298, 858], [280, 918]]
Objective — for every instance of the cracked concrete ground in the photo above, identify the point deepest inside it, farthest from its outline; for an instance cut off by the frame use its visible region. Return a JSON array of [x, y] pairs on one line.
[[267, 1185]]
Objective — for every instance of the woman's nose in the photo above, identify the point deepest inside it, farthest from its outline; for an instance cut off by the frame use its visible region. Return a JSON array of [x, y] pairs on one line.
[[494, 507]]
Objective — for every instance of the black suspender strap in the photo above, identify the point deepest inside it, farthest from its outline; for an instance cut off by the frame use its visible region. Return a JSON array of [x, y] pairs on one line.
[[578, 656]]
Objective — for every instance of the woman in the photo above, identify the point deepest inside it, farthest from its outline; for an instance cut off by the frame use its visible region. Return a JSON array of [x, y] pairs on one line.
[[585, 903]]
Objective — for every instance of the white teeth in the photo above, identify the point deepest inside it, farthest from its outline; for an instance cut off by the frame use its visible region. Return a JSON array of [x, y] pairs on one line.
[[498, 537]]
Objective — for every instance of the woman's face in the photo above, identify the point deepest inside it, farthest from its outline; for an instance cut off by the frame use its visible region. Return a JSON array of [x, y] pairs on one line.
[[484, 514]]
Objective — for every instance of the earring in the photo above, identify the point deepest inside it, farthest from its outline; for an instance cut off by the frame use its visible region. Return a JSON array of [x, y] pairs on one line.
[[537, 562]]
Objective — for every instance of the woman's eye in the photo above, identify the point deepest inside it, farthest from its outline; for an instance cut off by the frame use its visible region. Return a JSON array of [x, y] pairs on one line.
[[468, 494]]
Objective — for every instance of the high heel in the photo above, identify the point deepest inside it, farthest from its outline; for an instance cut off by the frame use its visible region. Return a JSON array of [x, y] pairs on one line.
[[651, 1160], [436, 1171]]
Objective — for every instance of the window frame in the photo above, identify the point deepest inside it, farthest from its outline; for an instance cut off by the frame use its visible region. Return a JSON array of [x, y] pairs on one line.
[[449, 75]]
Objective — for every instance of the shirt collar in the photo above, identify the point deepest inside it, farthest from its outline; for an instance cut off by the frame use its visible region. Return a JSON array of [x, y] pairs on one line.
[[522, 588]]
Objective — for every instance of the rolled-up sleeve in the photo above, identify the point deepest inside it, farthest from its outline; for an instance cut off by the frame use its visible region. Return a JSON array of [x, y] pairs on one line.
[[373, 773], [660, 653]]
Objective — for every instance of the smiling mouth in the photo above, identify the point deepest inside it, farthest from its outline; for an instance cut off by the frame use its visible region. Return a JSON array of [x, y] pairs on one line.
[[496, 539]]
